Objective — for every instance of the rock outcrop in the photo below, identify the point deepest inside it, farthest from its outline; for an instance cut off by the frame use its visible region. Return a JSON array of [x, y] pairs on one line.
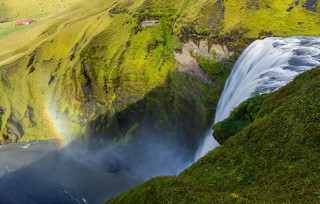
[[188, 63], [149, 23]]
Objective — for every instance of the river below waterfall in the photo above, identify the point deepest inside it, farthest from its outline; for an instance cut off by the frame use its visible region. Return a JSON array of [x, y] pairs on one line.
[[43, 172]]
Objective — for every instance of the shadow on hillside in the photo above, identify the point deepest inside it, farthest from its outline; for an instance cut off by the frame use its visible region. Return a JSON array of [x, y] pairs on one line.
[[172, 111], [157, 135]]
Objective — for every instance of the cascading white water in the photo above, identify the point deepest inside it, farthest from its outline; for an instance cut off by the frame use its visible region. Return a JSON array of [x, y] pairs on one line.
[[264, 66]]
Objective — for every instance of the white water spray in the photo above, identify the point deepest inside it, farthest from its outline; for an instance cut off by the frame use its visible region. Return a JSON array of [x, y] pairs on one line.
[[264, 66]]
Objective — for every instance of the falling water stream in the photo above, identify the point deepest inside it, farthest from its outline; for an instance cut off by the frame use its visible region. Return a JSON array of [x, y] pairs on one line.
[[264, 66]]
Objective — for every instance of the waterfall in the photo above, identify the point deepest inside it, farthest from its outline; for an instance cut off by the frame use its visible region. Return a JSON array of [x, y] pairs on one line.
[[264, 66]]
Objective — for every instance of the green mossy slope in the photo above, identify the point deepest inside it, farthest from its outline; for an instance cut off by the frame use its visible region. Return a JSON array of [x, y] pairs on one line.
[[241, 117], [75, 69], [23, 9], [86, 71], [274, 159]]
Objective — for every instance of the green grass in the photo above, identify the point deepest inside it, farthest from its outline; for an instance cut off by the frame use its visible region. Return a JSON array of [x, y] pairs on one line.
[[25, 9], [241, 117], [273, 159], [269, 12], [126, 62]]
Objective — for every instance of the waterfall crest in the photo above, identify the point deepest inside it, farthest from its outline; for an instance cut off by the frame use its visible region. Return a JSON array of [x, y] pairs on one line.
[[264, 66]]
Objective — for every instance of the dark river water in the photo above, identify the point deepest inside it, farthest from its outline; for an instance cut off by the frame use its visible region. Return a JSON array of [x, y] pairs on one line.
[[43, 172]]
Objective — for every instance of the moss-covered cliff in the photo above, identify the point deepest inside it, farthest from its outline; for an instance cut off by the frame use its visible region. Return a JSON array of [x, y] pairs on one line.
[[274, 158], [102, 69], [102, 73]]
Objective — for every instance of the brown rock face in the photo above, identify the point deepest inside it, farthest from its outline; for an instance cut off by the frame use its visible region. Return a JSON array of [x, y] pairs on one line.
[[187, 62]]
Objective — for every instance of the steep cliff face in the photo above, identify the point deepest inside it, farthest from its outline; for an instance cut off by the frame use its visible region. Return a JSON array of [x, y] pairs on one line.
[[106, 69], [272, 159], [106, 76]]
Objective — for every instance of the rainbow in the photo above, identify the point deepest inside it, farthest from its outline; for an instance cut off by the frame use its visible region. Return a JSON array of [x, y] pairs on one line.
[[57, 126]]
